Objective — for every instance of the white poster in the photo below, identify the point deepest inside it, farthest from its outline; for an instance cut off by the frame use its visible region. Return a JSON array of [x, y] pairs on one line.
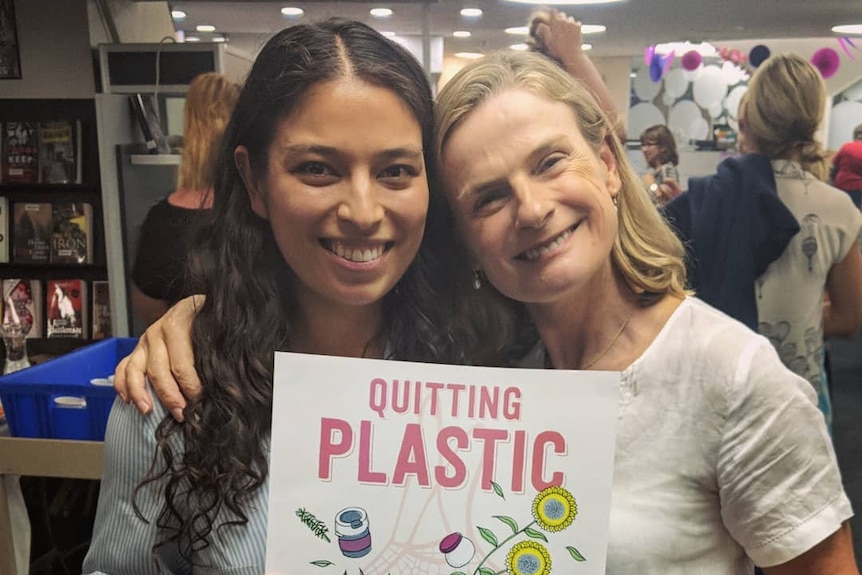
[[396, 468]]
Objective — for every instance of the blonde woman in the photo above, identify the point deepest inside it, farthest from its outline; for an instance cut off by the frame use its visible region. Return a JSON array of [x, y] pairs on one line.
[[768, 237], [159, 270]]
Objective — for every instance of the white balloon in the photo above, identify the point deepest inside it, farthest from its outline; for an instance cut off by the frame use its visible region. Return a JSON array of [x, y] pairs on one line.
[[716, 110], [675, 83], [731, 103], [710, 87], [645, 88], [643, 116], [668, 98], [683, 116], [844, 118], [699, 129]]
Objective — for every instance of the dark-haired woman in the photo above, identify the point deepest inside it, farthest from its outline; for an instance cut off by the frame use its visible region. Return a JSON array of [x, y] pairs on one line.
[[659, 150], [315, 244]]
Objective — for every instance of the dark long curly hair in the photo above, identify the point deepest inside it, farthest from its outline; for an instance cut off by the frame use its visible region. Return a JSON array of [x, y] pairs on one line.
[[214, 462]]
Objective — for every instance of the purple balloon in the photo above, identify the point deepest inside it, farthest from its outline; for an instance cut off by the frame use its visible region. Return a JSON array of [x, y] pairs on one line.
[[691, 60], [656, 68], [758, 55], [827, 61]]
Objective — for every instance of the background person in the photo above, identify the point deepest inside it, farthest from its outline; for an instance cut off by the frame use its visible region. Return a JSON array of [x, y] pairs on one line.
[[659, 150]]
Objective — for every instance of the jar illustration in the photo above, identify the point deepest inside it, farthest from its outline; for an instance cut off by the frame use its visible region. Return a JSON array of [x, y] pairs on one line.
[[352, 530], [458, 549]]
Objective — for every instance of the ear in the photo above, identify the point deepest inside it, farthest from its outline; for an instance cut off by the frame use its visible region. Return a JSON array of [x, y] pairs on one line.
[[255, 196], [613, 183]]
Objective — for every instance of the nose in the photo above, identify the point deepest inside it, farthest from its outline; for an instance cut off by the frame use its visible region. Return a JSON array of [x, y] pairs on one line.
[[360, 205], [534, 206]]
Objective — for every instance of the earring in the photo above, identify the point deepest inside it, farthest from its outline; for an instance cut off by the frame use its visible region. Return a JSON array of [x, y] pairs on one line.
[[616, 201], [477, 279]]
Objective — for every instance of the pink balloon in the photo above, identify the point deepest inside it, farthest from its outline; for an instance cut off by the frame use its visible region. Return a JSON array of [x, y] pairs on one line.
[[827, 61], [649, 52], [691, 60]]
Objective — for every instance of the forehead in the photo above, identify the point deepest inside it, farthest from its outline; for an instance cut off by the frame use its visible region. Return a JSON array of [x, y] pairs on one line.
[[342, 108]]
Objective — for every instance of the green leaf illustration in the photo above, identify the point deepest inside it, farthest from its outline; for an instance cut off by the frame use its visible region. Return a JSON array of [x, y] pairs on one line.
[[576, 555], [488, 536], [530, 532], [459, 573], [361, 572], [497, 489], [322, 563], [486, 571], [508, 521]]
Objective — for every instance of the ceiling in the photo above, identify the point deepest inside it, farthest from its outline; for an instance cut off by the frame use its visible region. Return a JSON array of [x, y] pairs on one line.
[[631, 24]]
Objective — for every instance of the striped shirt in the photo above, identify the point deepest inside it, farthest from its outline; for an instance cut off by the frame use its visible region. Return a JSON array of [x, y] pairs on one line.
[[122, 542]]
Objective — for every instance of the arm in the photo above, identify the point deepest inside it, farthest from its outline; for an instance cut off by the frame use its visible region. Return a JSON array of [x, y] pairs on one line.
[[843, 317], [147, 308], [165, 357], [779, 485], [122, 542], [832, 556], [559, 37]]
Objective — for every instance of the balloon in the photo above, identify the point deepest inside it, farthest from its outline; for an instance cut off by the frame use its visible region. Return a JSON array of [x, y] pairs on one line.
[[758, 55], [668, 61], [691, 60], [827, 61], [656, 68]]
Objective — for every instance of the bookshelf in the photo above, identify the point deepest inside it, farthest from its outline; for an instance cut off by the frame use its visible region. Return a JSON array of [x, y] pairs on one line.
[[88, 191]]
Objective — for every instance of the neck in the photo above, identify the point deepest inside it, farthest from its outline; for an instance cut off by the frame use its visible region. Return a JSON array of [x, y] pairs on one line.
[[191, 199], [325, 328]]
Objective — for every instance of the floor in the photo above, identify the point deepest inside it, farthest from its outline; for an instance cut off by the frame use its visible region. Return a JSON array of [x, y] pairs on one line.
[[846, 359]]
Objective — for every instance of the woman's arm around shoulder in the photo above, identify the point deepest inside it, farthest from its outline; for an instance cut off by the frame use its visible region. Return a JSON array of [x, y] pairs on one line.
[[832, 556]]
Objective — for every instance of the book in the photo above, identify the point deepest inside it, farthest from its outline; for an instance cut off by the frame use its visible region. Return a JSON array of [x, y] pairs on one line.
[[72, 236], [144, 110], [59, 152], [101, 311], [395, 467], [31, 233], [22, 303], [4, 229], [66, 308], [20, 145]]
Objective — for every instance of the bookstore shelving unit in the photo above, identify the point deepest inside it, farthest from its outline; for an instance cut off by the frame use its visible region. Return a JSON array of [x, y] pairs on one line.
[[89, 191]]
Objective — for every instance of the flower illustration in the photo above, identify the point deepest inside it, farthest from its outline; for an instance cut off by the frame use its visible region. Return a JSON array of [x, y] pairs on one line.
[[554, 509], [528, 558]]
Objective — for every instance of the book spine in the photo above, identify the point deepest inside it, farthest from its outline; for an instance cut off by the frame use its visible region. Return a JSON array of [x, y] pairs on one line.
[[4, 229]]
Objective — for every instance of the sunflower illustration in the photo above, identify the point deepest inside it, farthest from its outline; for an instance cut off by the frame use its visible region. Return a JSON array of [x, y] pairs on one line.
[[554, 509], [528, 558]]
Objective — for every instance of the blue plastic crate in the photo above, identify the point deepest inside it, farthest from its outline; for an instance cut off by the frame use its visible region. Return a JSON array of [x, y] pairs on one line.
[[56, 400]]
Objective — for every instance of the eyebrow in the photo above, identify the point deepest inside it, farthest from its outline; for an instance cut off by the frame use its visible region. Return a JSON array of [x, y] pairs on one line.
[[409, 152]]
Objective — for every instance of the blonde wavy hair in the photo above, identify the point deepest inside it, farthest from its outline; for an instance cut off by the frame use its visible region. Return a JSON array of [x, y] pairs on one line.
[[646, 251], [209, 104], [784, 108]]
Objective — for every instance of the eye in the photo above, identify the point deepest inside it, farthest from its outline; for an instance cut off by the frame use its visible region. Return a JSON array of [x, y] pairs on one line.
[[314, 169], [398, 175], [487, 200]]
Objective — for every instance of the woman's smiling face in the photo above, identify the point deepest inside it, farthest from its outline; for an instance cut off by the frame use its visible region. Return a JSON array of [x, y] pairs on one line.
[[345, 191], [533, 200]]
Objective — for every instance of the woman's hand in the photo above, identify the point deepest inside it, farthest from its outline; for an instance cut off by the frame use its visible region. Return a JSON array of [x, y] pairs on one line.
[[164, 357], [556, 35]]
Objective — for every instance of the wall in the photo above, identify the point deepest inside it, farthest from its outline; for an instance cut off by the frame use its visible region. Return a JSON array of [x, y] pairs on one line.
[[54, 42]]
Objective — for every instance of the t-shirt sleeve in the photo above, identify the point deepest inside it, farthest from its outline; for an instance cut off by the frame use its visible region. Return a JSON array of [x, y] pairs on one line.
[[159, 269], [778, 478]]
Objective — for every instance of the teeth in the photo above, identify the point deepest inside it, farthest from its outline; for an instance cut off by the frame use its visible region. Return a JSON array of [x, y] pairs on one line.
[[357, 255], [536, 253]]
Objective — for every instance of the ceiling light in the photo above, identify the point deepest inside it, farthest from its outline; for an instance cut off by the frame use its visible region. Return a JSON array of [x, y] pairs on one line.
[[469, 55], [518, 30], [219, 39], [192, 39], [566, 2], [389, 34], [461, 33], [592, 28], [178, 15], [519, 47], [586, 47], [205, 28], [471, 12], [381, 12], [848, 29], [680, 48], [292, 12]]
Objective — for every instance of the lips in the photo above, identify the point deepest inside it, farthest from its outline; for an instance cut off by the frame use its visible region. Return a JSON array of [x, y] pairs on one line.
[[548, 246], [357, 252]]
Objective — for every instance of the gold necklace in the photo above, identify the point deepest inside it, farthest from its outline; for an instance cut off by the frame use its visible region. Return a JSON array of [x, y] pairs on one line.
[[608, 347]]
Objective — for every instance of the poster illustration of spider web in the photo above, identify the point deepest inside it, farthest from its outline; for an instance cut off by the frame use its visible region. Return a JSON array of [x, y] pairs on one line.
[[397, 468]]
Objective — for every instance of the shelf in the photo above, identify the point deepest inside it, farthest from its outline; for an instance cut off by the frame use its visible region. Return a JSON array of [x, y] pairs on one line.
[[155, 159], [7, 187], [49, 271]]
